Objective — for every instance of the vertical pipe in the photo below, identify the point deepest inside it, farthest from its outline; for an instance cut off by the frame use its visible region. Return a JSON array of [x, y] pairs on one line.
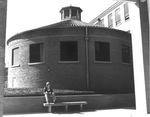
[[87, 56], [148, 4]]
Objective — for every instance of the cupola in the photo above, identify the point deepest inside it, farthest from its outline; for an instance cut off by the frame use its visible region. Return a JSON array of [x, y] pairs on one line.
[[71, 12]]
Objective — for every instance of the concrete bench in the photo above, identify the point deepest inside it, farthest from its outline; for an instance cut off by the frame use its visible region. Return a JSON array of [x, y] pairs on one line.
[[66, 104]]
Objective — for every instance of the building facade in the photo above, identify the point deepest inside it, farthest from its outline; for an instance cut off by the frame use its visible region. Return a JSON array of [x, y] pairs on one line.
[[120, 15], [72, 54]]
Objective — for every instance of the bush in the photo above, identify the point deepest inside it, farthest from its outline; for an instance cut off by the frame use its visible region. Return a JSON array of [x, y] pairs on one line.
[[14, 92]]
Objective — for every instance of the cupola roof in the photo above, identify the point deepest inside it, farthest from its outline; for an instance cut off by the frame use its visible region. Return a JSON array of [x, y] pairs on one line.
[[71, 7], [71, 12]]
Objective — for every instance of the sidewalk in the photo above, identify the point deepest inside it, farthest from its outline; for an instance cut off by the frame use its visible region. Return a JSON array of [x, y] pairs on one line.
[[98, 113]]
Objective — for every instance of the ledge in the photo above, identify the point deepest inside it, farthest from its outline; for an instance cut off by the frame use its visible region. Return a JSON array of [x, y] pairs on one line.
[[69, 62], [36, 63], [102, 61], [13, 66]]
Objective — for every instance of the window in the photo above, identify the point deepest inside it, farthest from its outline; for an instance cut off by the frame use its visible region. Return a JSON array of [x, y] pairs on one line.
[[36, 53], [68, 51], [101, 22], [66, 13], [73, 13], [117, 16], [110, 21], [102, 51], [125, 54], [126, 11], [15, 56]]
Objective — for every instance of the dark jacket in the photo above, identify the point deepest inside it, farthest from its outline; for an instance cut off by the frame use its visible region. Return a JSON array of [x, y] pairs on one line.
[[48, 89]]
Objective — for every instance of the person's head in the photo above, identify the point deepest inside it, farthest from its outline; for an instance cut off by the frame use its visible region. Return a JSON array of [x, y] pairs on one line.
[[47, 83]]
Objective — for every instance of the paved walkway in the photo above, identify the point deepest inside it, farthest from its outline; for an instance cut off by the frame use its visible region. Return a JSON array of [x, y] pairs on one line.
[[98, 113]]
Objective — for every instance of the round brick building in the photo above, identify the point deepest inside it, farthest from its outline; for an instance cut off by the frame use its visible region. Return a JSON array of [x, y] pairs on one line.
[[72, 54]]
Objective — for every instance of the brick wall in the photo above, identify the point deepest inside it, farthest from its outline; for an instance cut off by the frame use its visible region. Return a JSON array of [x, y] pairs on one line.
[[105, 77], [112, 76]]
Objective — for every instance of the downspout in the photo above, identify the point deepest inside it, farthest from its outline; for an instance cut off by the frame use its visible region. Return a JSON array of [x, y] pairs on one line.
[[87, 56]]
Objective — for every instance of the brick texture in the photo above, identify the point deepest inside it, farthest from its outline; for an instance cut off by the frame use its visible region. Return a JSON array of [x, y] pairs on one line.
[[104, 77]]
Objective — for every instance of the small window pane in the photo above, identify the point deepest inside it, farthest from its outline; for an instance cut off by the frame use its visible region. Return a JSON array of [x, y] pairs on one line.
[[36, 53], [66, 13], [73, 12], [117, 16], [102, 23], [68, 51], [126, 11], [110, 21], [102, 51], [15, 56], [125, 54]]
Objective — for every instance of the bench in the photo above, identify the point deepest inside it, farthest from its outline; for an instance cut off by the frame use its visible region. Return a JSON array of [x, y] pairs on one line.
[[66, 104]]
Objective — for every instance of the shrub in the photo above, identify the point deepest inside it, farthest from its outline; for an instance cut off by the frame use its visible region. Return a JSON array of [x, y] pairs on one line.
[[14, 92]]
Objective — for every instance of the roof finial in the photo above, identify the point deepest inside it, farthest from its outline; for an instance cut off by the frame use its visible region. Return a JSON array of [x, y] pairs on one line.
[[70, 4]]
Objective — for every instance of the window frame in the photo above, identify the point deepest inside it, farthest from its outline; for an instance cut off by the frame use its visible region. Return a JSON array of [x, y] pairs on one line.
[[117, 17], [126, 11], [65, 13], [75, 11], [110, 20], [101, 22], [109, 54], [41, 54], [61, 60], [13, 63], [126, 60]]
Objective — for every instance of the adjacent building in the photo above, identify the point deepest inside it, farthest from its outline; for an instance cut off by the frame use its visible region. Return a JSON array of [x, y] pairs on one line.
[[120, 15]]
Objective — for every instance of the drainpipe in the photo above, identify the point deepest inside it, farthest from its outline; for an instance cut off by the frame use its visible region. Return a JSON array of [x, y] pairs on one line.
[[87, 56]]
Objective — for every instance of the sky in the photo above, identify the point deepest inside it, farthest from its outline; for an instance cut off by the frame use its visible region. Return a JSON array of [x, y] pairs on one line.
[[24, 15]]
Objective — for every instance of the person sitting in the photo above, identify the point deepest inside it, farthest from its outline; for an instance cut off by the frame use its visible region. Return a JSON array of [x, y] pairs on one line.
[[48, 91]]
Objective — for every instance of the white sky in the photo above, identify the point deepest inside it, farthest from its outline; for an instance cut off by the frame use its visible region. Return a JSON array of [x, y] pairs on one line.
[[29, 14]]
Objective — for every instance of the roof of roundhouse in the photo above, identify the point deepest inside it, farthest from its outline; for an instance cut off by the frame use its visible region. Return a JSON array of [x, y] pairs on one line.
[[68, 23], [61, 24]]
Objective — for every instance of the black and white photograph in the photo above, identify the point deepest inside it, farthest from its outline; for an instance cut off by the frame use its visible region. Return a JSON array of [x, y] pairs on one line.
[[74, 58]]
